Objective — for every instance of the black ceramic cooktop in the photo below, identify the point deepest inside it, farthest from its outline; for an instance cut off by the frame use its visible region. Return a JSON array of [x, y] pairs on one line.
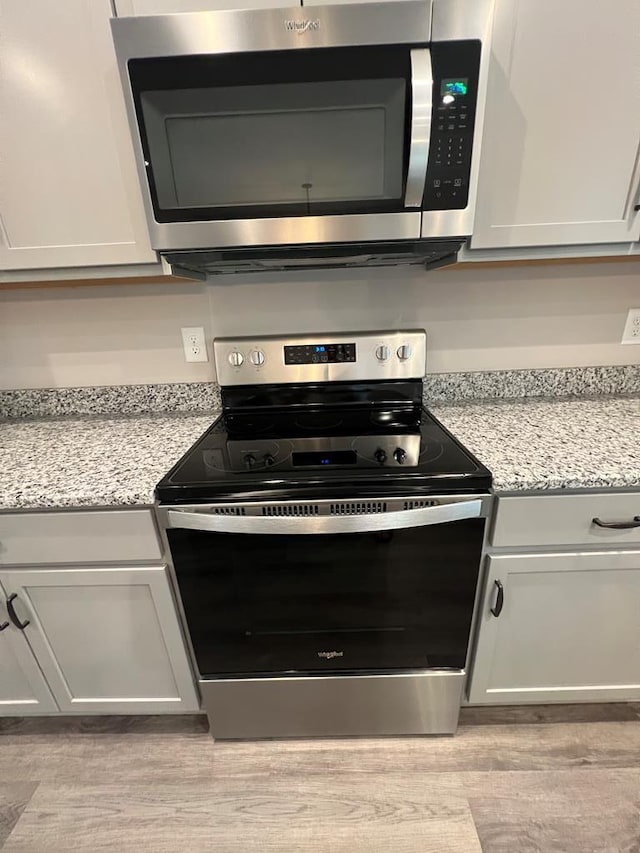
[[308, 452]]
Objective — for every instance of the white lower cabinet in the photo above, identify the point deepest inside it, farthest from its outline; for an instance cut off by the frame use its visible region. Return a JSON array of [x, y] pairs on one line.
[[23, 689], [98, 640], [568, 630]]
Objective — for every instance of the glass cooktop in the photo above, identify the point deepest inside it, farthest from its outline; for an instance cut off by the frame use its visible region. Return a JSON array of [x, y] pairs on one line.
[[248, 455]]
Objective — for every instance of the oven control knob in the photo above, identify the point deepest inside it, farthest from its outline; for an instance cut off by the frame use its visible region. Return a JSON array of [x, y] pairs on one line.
[[235, 358], [257, 357], [383, 352], [380, 455], [400, 455], [404, 352], [268, 460], [249, 460]]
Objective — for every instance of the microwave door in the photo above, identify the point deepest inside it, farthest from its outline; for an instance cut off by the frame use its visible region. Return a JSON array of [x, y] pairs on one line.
[[421, 109]]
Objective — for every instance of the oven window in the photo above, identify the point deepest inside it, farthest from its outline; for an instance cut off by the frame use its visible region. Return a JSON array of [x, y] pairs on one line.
[[295, 133], [390, 600]]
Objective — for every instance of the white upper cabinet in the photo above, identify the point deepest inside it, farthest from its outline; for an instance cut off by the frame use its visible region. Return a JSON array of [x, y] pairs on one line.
[[561, 140], [128, 8], [69, 194]]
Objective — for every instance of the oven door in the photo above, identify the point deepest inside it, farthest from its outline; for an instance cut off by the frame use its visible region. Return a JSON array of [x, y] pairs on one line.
[[308, 594], [280, 127]]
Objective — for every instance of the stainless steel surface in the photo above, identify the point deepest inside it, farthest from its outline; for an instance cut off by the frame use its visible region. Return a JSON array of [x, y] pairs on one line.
[[367, 366], [421, 101], [422, 702], [264, 30], [365, 446], [249, 30], [448, 509], [338, 25], [281, 231], [455, 20]]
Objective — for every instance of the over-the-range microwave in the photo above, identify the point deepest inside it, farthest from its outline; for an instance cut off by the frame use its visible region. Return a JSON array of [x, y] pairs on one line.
[[333, 135]]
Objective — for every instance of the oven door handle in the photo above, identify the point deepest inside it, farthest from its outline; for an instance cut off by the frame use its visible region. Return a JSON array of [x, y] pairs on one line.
[[421, 105], [323, 524]]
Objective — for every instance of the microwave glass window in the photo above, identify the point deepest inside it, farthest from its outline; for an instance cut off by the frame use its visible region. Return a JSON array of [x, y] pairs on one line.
[[298, 143]]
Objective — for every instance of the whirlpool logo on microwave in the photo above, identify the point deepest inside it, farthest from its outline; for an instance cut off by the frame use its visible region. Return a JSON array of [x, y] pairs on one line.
[[301, 27], [330, 655]]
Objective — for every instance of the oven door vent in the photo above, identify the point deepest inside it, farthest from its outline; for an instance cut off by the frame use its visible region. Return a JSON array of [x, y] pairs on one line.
[[228, 510], [358, 508], [420, 503], [291, 509]]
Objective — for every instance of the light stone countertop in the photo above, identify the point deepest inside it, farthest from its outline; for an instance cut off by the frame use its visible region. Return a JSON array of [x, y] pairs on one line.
[[551, 444], [114, 460], [91, 460]]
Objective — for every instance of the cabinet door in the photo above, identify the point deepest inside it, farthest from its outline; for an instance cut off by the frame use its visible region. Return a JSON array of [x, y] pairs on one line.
[[559, 160], [125, 8], [70, 194], [569, 630], [23, 689], [107, 640]]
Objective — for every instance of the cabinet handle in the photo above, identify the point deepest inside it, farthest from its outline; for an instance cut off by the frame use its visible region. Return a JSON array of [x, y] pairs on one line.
[[13, 615], [617, 525], [3, 625], [497, 609]]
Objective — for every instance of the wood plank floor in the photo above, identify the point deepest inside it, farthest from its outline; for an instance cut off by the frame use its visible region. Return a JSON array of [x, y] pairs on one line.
[[550, 779]]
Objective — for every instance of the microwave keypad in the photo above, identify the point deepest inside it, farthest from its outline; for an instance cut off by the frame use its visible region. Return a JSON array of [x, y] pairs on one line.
[[456, 68], [449, 157]]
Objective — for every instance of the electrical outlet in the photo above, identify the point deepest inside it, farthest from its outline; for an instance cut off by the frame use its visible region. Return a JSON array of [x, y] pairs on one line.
[[631, 334], [195, 346]]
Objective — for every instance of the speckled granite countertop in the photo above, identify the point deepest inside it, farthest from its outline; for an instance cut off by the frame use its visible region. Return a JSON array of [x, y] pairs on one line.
[[551, 444], [91, 460], [117, 460]]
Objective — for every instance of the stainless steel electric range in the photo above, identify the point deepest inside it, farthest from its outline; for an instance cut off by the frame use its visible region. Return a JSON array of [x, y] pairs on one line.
[[326, 536]]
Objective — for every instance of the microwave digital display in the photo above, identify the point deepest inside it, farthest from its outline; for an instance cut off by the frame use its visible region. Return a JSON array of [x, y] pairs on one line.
[[455, 86]]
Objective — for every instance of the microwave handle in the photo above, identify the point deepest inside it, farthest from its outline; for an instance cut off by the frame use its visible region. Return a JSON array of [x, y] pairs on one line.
[[317, 525], [421, 105]]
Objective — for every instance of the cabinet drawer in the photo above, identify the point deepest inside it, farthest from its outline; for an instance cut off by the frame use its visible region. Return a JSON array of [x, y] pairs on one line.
[[565, 520], [78, 537]]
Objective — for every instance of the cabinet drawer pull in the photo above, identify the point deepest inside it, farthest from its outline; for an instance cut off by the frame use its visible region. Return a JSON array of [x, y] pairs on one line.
[[13, 615], [497, 609], [3, 625], [617, 525]]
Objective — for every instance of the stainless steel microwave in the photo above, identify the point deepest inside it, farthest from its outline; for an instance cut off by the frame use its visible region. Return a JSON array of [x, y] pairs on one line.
[[331, 135]]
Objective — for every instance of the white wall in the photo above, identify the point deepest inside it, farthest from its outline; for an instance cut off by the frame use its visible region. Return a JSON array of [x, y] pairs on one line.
[[476, 319]]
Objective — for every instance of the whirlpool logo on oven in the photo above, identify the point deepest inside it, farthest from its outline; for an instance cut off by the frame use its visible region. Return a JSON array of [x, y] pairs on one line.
[[330, 655], [301, 27]]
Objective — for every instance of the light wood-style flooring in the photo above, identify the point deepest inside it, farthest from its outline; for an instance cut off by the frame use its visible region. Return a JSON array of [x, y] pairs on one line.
[[544, 779]]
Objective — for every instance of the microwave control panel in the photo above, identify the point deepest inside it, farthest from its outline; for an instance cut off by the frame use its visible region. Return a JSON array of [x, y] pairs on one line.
[[455, 87]]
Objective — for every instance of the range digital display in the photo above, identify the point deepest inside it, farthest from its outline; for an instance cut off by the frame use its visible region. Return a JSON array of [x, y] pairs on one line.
[[319, 353], [456, 86]]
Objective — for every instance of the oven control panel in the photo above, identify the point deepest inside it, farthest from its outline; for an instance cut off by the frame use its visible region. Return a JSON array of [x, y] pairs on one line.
[[327, 357]]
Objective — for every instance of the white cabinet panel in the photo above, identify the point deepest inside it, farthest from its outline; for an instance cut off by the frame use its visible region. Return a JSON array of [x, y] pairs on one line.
[[69, 190], [125, 8], [98, 536], [569, 629], [107, 640], [23, 689], [566, 520], [561, 137]]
